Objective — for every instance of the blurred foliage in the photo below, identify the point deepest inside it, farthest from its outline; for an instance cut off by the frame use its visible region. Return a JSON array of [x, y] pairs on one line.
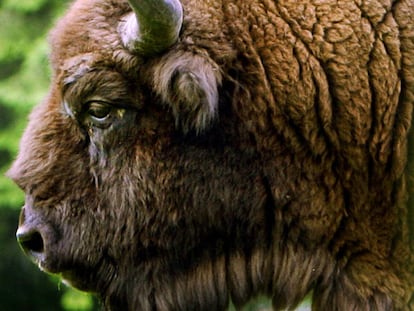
[[74, 301], [24, 78], [24, 75]]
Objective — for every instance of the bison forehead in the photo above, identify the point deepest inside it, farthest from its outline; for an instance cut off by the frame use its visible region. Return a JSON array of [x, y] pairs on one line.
[[93, 25], [77, 66]]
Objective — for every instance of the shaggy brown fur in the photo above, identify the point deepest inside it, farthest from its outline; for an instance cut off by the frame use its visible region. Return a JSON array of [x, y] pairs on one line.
[[264, 153]]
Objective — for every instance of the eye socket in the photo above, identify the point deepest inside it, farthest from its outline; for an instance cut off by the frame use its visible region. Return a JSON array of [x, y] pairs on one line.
[[99, 111], [101, 114]]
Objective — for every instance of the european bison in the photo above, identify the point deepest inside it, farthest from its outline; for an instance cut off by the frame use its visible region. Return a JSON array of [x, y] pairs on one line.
[[191, 154]]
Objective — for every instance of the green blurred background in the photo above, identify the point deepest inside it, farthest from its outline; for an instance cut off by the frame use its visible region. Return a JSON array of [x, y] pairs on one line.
[[24, 79]]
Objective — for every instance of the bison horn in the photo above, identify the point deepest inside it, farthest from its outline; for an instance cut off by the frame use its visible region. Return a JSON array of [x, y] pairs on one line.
[[154, 27]]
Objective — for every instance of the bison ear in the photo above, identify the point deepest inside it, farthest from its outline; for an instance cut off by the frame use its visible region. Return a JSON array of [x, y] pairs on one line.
[[188, 83]]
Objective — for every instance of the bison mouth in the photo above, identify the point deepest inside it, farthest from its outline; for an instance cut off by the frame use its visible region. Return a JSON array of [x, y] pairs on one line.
[[94, 278], [90, 277], [87, 279]]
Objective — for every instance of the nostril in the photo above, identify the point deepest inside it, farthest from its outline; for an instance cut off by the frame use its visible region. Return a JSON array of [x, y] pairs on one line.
[[30, 241]]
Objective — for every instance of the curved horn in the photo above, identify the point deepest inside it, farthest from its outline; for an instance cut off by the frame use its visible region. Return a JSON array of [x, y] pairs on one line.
[[154, 27]]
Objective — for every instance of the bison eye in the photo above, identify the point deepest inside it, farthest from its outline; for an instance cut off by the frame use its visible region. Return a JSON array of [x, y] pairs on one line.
[[99, 114], [99, 111]]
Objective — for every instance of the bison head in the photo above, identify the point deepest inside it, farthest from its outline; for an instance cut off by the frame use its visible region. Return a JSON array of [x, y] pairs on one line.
[[130, 183]]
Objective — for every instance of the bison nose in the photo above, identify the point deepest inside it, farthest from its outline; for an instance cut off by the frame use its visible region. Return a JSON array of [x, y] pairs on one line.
[[30, 240]]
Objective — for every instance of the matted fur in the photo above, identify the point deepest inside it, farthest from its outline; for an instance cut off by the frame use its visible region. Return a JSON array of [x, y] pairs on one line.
[[265, 153]]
